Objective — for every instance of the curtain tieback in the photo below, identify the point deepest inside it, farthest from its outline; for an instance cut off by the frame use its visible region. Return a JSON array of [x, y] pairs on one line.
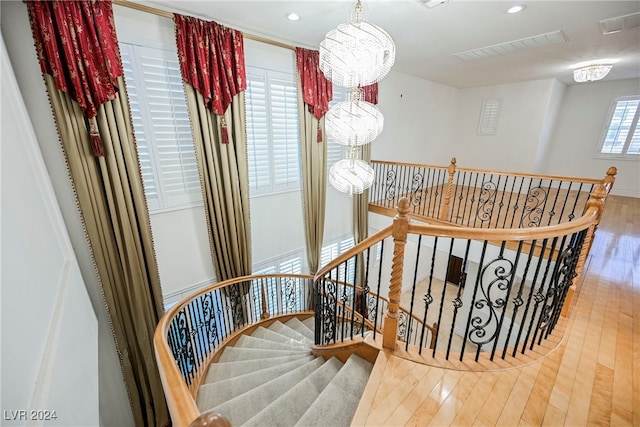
[[96, 143]]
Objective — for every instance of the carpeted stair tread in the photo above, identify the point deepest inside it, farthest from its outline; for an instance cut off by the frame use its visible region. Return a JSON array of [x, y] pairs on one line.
[[310, 322], [300, 327], [234, 353], [213, 394], [249, 341], [222, 370], [283, 329], [287, 409], [271, 335], [337, 403], [241, 408]]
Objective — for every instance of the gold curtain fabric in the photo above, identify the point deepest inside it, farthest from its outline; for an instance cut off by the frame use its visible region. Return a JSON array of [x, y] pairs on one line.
[[224, 175], [112, 204], [314, 180]]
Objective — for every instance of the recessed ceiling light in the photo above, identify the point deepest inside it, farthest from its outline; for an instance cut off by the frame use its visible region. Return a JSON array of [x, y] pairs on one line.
[[292, 16], [517, 8]]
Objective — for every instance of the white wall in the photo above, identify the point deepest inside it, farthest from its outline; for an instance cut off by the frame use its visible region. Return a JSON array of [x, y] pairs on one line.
[[419, 121], [522, 120], [49, 329], [579, 129]]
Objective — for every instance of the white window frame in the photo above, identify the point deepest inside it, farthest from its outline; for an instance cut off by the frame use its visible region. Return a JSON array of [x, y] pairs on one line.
[[634, 131], [161, 167], [280, 156]]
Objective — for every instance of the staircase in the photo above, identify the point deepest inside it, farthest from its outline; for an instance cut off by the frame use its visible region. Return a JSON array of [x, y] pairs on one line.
[[270, 378]]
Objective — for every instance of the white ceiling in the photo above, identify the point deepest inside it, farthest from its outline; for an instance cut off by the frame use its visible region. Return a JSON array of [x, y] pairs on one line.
[[427, 38]]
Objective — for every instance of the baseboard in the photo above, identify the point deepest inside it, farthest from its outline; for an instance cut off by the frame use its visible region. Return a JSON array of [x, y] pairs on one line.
[[625, 192]]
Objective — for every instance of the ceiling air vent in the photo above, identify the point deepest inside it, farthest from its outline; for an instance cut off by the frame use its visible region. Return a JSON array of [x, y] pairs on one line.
[[513, 46], [620, 23]]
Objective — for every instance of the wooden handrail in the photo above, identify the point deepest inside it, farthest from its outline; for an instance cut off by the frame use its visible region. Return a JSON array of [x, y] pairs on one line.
[[612, 169]]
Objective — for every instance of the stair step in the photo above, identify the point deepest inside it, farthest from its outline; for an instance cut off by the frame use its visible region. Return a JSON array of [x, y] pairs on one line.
[[222, 370], [287, 409], [248, 341], [241, 408], [283, 329], [233, 353], [268, 334], [337, 403], [213, 394], [310, 322], [300, 327]]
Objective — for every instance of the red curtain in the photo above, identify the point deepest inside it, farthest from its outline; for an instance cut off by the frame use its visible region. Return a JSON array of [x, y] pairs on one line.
[[370, 93], [212, 61], [76, 44], [317, 91]]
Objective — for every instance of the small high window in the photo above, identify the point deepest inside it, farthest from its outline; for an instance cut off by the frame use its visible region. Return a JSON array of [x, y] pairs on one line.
[[622, 134]]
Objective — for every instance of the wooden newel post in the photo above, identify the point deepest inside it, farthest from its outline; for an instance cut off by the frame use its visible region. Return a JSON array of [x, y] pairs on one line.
[[596, 200], [400, 229], [444, 212], [610, 178]]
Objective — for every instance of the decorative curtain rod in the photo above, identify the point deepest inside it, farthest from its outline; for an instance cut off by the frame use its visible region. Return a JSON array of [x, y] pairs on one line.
[[169, 15]]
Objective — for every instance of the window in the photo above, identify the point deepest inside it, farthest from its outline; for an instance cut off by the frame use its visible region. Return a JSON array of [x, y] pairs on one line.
[[162, 128], [622, 134], [272, 131]]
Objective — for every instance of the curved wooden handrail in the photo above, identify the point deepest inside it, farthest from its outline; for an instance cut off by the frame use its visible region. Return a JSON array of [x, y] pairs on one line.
[[509, 173], [180, 400], [513, 234]]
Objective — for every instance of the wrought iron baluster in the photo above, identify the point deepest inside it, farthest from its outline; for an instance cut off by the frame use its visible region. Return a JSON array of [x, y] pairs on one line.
[[551, 295], [506, 299], [467, 332], [572, 215], [517, 202], [428, 299], [413, 291], [518, 301], [457, 302], [552, 211], [444, 291], [508, 207], [499, 188], [474, 200], [532, 291], [539, 297]]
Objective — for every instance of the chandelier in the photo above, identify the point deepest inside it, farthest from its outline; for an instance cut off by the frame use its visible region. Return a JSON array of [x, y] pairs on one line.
[[351, 175], [591, 72], [354, 122], [354, 55]]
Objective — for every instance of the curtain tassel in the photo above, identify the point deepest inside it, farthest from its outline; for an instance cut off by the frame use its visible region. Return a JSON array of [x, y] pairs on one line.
[[224, 132], [319, 133], [96, 143]]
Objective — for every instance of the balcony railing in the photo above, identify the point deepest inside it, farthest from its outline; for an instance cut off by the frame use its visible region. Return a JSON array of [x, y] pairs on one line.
[[481, 198]]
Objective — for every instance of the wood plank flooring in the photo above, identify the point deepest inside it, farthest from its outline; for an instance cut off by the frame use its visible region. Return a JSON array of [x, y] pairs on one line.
[[591, 379]]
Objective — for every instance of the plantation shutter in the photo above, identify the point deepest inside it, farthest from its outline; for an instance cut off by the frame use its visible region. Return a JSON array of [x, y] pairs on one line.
[[257, 130], [162, 128], [272, 131]]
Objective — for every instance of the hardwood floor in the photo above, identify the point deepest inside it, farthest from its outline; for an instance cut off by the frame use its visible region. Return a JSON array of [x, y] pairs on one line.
[[591, 378]]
